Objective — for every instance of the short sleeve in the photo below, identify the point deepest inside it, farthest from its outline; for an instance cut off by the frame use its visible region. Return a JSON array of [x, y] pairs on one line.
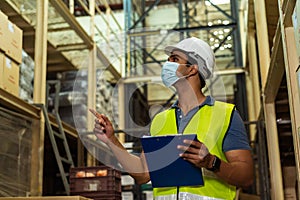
[[236, 137]]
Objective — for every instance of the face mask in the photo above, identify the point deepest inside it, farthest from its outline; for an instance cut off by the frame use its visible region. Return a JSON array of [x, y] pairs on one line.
[[168, 73]]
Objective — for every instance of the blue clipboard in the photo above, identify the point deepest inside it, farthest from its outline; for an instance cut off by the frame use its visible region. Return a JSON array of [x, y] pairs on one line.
[[165, 167]]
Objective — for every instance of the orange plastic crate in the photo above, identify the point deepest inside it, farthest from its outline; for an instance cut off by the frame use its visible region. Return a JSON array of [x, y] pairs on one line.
[[94, 171], [95, 179]]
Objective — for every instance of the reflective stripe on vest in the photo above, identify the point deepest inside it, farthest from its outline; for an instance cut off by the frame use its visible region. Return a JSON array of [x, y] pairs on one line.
[[211, 124], [185, 196]]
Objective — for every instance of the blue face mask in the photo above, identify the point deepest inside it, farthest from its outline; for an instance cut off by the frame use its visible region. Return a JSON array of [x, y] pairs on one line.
[[168, 73]]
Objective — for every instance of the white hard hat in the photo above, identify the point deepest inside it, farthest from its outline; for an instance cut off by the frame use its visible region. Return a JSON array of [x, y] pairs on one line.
[[199, 51]]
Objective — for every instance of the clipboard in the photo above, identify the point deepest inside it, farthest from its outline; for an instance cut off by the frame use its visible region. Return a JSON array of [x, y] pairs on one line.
[[165, 167]]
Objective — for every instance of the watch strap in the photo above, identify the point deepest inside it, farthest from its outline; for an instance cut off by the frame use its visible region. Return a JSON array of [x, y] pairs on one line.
[[215, 165]]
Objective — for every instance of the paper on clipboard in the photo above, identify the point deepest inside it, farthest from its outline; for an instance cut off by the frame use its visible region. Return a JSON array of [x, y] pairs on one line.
[[166, 168]]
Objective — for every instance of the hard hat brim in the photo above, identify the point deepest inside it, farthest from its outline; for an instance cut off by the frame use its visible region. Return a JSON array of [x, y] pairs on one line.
[[171, 48]]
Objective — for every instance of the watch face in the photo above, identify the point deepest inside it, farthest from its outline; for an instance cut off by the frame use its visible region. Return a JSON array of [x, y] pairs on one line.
[[216, 164]]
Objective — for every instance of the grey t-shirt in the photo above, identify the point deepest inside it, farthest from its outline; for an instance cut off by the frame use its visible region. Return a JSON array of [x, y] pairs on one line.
[[236, 136]]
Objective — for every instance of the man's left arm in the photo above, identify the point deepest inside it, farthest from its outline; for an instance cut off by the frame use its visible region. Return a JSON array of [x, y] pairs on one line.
[[238, 170]]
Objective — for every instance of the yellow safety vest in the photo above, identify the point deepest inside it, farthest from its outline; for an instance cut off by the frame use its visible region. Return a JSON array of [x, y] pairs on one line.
[[211, 124]]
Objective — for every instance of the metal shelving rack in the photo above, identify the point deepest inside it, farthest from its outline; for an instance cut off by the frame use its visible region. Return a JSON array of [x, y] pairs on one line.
[[144, 47], [144, 44], [276, 98], [57, 42]]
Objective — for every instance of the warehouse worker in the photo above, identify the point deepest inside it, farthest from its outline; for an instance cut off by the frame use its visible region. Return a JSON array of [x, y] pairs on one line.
[[222, 152]]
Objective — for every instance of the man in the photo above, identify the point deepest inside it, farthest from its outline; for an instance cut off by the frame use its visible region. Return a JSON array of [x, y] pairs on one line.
[[222, 152]]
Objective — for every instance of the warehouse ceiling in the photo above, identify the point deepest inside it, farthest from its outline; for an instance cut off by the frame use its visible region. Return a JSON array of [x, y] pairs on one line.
[[213, 24], [23, 13], [62, 35], [69, 41]]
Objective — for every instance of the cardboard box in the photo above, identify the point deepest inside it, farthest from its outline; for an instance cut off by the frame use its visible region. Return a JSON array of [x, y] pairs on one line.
[[11, 38], [3, 32], [9, 75], [15, 39]]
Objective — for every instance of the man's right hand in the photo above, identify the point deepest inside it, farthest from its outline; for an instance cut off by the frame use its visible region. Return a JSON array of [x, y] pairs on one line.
[[103, 127]]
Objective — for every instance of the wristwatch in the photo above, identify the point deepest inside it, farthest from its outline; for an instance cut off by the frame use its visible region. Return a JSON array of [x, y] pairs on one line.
[[215, 165]]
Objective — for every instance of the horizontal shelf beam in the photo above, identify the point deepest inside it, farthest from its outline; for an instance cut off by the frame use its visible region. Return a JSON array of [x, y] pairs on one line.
[[107, 64], [62, 9], [10, 101]]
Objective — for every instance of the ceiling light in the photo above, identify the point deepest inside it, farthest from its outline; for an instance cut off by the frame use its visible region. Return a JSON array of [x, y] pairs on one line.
[[225, 22], [227, 46]]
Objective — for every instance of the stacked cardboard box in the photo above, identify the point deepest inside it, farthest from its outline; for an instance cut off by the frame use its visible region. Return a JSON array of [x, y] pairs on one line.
[[16, 132], [75, 83], [26, 78], [72, 99], [9, 75], [10, 55], [3, 31], [107, 98]]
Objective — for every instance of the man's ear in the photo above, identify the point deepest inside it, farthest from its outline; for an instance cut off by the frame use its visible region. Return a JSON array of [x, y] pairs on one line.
[[194, 69]]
